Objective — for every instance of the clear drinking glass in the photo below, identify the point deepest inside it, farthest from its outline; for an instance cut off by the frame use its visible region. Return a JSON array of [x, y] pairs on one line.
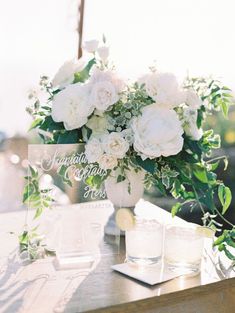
[[183, 248], [144, 242]]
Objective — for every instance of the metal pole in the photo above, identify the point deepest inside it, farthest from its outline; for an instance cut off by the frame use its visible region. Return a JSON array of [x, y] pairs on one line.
[[80, 26]]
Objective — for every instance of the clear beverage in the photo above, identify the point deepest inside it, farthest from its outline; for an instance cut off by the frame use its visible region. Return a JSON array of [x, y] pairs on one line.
[[183, 248], [144, 242]]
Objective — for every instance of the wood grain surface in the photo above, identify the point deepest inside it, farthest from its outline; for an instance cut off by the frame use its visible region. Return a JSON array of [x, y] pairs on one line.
[[39, 288]]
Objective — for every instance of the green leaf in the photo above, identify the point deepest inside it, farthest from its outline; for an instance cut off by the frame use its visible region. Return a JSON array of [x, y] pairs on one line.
[[226, 88], [201, 175], [176, 208], [35, 197], [97, 181], [120, 178], [46, 204], [193, 146], [23, 238], [190, 158], [54, 92], [61, 171], [224, 107], [82, 76], [160, 187], [148, 165], [200, 117], [219, 240], [188, 195], [177, 186], [229, 254], [50, 125], [71, 136], [35, 123], [221, 194], [45, 107], [210, 141], [230, 241], [94, 181], [89, 181], [166, 181], [28, 191], [208, 199], [214, 166], [33, 171], [225, 197], [38, 212]]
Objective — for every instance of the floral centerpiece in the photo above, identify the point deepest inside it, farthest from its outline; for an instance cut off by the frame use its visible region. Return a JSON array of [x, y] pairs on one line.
[[153, 126]]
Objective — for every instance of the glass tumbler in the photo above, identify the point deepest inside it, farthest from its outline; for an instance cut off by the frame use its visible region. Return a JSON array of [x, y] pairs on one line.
[[183, 248], [144, 242]]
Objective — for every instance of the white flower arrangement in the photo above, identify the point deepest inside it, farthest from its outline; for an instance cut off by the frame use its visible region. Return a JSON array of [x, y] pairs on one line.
[[157, 132], [153, 124]]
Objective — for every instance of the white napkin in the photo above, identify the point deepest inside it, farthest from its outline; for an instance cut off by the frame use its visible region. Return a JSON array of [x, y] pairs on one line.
[[147, 210], [150, 275]]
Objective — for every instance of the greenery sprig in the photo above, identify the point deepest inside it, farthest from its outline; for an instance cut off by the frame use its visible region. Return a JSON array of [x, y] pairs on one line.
[[36, 199]]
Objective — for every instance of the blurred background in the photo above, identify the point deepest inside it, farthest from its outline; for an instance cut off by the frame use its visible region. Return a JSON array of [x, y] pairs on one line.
[[186, 37]]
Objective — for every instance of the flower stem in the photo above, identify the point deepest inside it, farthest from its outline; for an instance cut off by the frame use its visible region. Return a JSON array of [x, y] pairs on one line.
[[225, 220], [200, 205], [217, 158]]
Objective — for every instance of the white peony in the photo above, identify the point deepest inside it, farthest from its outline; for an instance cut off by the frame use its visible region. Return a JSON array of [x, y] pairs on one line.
[[103, 53], [105, 88], [193, 100], [114, 144], [107, 162], [65, 74], [190, 124], [91, 46], [157, 132], [164, 89], [72, 106], [93, 150]]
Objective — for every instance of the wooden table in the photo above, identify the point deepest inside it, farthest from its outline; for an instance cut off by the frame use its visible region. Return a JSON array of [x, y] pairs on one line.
[[39, 288]]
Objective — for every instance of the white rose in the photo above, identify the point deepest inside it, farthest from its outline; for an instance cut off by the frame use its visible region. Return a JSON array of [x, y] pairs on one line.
[[115, 144], [190, 124], [72, 106], [192, 99], [103, 95], [105, 88], [65, 74], [97, 75], [150, 84], [103, 53], [93, 150], [157, 132], [107, 162], [91, 45], [164, 89]]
